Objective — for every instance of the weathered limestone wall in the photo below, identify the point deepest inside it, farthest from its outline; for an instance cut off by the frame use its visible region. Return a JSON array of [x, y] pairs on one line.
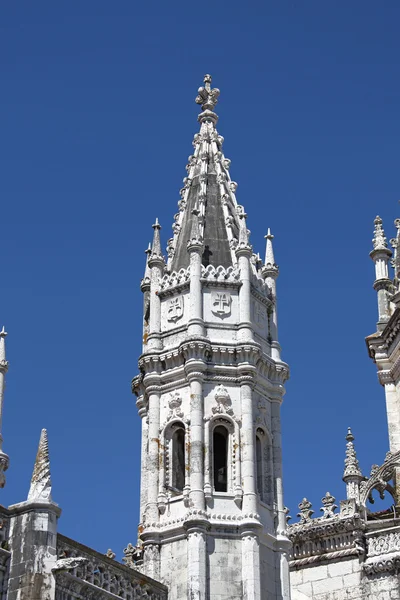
[[173, 564], [343, 580], [268, 573], [224, 572], [33, 538]]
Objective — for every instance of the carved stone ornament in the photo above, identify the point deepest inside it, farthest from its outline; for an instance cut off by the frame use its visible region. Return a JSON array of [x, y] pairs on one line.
[[175, 403], [175, 309], [305, 511], [131, 555], [221, 304], [329, 506], [224, 402], [110, 554], [68, 564]]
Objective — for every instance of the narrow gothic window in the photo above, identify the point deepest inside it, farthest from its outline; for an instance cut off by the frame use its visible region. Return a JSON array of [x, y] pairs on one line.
[[220, 451], [259, 459], [178, 459]]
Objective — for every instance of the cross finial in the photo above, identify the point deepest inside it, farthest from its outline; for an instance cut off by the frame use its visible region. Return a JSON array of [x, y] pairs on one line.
[[207, 97]]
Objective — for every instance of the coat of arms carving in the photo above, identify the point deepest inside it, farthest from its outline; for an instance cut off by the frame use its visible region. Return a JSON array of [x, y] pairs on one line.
[[175, 309], [221, 304]]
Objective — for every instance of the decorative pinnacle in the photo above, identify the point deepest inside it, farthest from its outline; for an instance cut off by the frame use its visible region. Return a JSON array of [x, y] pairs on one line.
[[207, 97], [270, 269], [379, 239], [40, 490], [156, 252], [352, 467]]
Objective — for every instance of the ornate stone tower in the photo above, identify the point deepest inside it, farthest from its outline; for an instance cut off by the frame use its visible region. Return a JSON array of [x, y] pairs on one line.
[[209, 393]]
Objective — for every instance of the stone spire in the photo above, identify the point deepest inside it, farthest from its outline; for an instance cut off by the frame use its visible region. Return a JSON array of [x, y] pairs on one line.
[[40, 490], [156, 252], [352, 475], [4, 460], [209, 190], [270, 267]]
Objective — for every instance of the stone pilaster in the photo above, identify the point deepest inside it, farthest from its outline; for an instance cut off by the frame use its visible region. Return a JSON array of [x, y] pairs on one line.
[[248, 443], [196, 460], [153, 390], [251, 566], [33, 536], [197, 563]]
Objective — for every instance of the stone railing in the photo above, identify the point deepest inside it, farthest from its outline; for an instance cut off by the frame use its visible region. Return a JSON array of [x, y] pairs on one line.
[[383, 550], [97, 577], [330, 537]]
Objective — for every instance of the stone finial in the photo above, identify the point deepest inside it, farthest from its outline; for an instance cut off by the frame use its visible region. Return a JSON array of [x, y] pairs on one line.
[[40, 490], [329, 506], [207, 97], [352, 467], [379, 239], [110, 554], [286, 510], [305, 511]]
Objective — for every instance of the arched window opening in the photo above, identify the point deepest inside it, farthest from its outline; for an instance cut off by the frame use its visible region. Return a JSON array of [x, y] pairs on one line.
[[259, 461], [178, 460], [220, 451], [264, 468]]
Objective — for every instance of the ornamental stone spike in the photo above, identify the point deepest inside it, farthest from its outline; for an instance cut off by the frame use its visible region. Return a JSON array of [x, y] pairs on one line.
[[156, 252], [270, 264], [40, 489], [4, 459], [352, 475]]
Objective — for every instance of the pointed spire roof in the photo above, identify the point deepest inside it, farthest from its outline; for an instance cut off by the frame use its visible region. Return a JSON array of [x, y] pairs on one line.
[[270, 268], [40, 490], [156, 252], [209, 189], [351, 465]]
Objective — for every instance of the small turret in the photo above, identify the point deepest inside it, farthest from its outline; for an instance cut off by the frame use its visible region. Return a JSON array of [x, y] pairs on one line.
[[381, 254], [352, 475]]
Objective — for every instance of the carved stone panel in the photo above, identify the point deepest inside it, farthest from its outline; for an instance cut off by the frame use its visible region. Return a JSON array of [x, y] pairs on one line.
[[221, 304], [175, 309]]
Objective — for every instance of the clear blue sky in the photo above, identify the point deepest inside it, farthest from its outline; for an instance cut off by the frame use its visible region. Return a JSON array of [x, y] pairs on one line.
[[98, 117]]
